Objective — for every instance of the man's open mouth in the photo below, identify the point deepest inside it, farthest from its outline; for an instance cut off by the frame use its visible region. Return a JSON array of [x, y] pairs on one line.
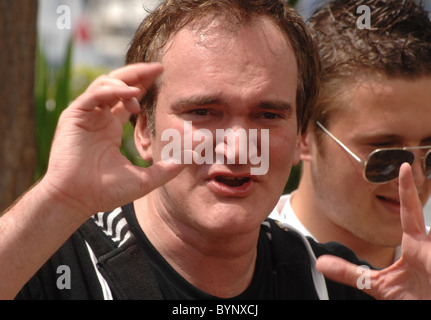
[[232, 181]]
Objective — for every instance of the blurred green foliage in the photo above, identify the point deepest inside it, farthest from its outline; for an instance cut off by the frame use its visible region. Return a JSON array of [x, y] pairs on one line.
[[52, 89], [292, 3], [55, 89]]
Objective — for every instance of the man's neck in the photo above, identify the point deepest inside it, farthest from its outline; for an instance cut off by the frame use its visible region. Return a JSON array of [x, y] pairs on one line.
[[220, 266]]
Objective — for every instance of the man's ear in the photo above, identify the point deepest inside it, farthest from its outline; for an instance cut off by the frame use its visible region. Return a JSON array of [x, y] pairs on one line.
[[143, 138], [307, 141], [297, 155]]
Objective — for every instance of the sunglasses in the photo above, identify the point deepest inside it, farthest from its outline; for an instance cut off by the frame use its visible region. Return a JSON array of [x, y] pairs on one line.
[[383, 165]]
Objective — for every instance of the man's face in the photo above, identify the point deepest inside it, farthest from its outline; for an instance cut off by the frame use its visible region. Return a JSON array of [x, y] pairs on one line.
[[218, 79], [377, 113]]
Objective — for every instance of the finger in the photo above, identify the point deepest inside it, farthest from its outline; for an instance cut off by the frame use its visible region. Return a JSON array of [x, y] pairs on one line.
[[106, 85], [124, 84], [342, 271], [412, 218], [106, 96], [124, 109], [162, 171], [142, 74], [106, 81], [121, 103], [157, 175]]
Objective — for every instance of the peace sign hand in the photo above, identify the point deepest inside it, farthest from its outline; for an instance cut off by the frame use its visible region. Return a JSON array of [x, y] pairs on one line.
[[410, 276]]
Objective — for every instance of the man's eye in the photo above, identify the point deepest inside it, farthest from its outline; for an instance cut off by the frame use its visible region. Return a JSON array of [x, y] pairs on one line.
[[270, 115], [200, 112], [383, 144]]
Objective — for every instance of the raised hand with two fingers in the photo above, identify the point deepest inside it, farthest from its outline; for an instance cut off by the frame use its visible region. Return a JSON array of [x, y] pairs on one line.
[[410, 276]]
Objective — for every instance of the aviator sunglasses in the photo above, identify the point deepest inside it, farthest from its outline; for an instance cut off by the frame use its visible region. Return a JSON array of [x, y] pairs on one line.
[[383, 165]]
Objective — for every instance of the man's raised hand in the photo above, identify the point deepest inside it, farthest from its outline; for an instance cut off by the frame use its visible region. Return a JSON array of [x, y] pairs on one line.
[[86, 169], [410, 276]]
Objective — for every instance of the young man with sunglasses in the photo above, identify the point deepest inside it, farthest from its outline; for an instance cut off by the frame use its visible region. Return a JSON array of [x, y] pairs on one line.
[[372, 115]]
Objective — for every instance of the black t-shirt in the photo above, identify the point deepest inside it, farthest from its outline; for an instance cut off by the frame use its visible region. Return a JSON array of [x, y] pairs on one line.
[[133, 269], [174, 286]]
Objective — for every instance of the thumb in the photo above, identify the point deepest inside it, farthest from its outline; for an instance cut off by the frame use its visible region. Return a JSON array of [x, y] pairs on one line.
[[157, 175], [337, 269], [161, 172], [342, 271]]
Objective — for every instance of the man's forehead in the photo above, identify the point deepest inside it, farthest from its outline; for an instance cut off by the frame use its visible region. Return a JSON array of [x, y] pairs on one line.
[[218, 32], [255, 56]]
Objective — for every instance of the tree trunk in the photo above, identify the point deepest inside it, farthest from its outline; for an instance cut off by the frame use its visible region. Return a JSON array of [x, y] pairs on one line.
[[17, 107]]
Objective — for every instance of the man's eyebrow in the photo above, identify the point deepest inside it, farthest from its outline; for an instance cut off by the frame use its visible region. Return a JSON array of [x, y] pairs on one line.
[[389, 138], [372, 136], [201, 101], [196, 101], [276, 105]]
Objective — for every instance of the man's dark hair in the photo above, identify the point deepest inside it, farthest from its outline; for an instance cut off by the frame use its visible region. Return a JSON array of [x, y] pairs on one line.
[[173, 15], [397, 45]]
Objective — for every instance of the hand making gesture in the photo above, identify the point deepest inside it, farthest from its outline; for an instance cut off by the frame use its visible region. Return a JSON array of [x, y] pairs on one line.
[[86, 168], [86, 174], [410, 276]]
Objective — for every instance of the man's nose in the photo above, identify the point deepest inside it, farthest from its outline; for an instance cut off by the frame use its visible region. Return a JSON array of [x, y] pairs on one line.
[[232, 145]]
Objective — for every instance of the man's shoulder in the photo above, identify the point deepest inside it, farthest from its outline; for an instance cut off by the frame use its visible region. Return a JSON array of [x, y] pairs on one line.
[[295, 254], [69, 274], [288, 237], [102, 261], [106, 231]]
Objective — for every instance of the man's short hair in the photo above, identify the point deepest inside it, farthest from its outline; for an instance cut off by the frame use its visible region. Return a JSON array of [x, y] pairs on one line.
[[397, 45], [173, 15]]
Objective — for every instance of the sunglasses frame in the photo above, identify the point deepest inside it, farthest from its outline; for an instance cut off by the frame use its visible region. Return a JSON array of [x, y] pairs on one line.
[[364, 163]]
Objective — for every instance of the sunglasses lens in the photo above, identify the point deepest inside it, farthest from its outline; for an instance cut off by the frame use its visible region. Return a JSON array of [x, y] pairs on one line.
[[384, 165], [428, 164]]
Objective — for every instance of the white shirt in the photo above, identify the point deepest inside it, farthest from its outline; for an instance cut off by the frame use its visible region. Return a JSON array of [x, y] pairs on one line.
[[284, 213]]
